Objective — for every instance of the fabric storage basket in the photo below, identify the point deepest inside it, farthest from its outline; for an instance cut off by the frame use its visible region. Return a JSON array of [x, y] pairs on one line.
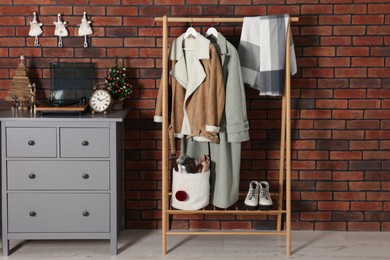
[[190, 191]]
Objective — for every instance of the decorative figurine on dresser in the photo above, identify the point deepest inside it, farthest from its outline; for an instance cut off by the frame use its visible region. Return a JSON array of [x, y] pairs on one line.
[[62, 176]]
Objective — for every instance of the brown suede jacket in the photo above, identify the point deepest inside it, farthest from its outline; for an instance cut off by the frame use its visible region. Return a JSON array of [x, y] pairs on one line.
[[197, 88]]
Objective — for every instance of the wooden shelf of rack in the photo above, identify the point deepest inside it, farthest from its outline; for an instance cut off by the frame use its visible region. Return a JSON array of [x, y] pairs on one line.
[[225, 212], [237, 209], [227, 232]]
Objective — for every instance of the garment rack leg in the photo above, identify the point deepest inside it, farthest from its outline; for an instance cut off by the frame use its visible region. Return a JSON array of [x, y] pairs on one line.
[[288, 142], [281, 163], [165, 179]]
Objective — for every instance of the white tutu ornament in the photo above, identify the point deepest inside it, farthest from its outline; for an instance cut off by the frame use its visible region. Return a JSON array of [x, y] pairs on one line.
[[85, 28], [60, 30], [35, 29]]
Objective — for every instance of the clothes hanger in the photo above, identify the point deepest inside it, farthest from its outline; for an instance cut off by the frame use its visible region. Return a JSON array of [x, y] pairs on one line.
[[190, 32], [212, 31]]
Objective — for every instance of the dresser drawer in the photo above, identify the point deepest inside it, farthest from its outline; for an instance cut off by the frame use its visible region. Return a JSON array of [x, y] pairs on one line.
[[84, 142], [32, 212], [58, 175], [31, 142]]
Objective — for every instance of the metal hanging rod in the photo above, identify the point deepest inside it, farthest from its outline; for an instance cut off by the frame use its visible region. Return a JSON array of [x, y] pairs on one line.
[[209, 19]]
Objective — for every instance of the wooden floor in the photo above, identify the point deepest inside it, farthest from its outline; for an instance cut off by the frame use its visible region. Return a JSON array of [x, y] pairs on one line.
[[146, 244]]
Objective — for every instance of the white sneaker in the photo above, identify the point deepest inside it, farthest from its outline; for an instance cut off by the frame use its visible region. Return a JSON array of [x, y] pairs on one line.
[[252, 198], [265, 201]]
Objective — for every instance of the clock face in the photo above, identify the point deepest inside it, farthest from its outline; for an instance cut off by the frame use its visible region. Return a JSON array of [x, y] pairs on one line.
[[100, 100]]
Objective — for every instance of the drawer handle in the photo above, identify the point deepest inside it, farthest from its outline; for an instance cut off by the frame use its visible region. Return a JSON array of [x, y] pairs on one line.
[[31, 142], [85, 143], [33, 214], [32, 176], [85, 176], [86, 213]]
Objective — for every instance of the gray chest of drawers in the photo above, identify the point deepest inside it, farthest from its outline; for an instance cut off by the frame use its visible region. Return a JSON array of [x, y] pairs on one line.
[[62, 177]]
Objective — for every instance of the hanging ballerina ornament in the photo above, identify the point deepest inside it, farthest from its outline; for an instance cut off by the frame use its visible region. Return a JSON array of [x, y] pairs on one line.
[[60, 30], [85, 28], [35, 29]]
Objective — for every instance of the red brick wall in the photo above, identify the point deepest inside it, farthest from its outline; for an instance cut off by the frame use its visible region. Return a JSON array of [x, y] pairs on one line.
[[341, 100]]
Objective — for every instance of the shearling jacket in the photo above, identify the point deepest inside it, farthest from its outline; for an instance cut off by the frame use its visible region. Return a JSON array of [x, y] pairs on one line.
[[198, 92]]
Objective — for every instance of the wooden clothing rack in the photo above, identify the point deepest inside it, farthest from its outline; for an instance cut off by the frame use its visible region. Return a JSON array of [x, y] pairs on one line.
[[285, 150]]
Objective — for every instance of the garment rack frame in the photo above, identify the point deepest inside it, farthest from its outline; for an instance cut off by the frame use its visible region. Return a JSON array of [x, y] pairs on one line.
[[285, 148]]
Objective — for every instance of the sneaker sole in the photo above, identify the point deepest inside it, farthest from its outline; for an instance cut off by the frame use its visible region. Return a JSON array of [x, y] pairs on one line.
[[251, 207], [265, 206]]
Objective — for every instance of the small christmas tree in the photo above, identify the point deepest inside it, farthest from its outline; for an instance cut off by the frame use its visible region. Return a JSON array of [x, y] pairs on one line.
[[19, 90], [117, 81]]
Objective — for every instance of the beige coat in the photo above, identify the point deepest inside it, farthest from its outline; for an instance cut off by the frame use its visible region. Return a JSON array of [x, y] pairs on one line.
[[198, 92]]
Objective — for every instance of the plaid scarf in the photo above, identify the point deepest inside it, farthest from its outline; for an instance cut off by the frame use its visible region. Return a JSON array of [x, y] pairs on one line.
[[262, 53]]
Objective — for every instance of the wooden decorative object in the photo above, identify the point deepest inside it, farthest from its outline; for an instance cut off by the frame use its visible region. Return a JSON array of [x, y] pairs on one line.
[[33, 99], [19, 90]]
